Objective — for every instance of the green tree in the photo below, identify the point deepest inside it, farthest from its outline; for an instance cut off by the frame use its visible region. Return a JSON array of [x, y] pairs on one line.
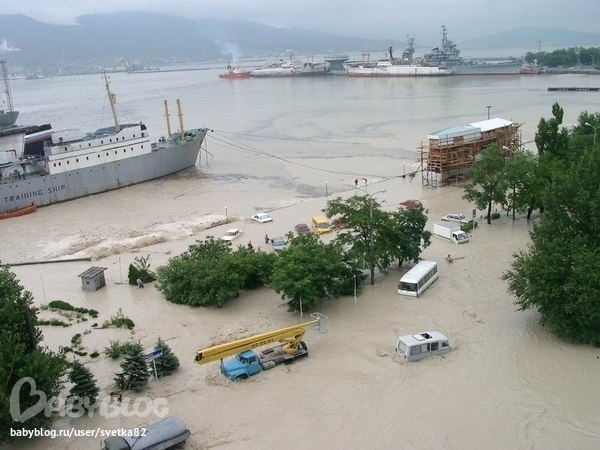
[[84, 391], [406, 233], [167, 363], [521, 182], [22, 356], [363, 236], [140, 269], [558, 274], [311, 270], [487, 180], [135, 373], [550, 137], [196, 277]]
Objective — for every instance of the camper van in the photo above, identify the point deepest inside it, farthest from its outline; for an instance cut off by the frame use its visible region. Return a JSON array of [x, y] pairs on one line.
[[413, 347], [321, 225], [416, 280]]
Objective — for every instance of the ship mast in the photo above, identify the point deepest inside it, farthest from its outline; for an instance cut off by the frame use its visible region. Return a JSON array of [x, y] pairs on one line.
[[112, 100], [6, 87]]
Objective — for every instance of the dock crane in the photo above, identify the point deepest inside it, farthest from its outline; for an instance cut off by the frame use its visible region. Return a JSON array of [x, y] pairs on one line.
[[247, 362]]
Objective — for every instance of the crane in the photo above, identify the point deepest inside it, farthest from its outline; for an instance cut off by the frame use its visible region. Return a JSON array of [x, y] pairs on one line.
[[247, 362]]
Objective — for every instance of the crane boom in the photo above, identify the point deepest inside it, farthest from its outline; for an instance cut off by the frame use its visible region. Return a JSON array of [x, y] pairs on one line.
[[290, 336]]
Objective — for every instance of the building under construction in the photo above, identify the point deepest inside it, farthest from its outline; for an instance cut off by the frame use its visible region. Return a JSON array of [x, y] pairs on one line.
[[450, 152]]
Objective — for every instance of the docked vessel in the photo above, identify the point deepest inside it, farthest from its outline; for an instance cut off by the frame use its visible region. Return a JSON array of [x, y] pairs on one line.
[[396, 67], [290, 68], [234, 73], [8, 116], [448, 56], [47, 167]]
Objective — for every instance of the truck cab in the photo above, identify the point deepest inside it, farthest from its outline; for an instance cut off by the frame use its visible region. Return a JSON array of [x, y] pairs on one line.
[[242, 365]]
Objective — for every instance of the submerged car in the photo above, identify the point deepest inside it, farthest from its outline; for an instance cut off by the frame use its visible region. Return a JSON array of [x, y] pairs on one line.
[[302, 228], [278, 243], [454, 217], [262, 218], [231, 234], [413, 347]]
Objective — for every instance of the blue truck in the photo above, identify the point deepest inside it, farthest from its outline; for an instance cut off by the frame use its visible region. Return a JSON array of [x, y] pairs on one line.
[[249, 361]]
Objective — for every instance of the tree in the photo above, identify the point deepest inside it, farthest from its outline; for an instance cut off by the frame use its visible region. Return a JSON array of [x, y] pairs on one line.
[[364, 225], [135, 373], [84, 391], [407, 233], [167, 363], [550, 138], [140, 269], [558, 274], [521, 182], [310, 270], [22, 356], [487, 180], [196, 277]]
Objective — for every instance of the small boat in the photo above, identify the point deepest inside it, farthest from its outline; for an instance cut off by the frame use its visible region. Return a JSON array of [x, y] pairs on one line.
[[19, 211], [234, 72]]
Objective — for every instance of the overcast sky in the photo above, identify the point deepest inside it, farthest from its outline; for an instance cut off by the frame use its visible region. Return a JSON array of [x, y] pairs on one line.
[[465, 19]]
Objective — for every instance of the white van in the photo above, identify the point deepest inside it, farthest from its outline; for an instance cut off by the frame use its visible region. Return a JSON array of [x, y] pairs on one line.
[[413, 347], [416, 280]]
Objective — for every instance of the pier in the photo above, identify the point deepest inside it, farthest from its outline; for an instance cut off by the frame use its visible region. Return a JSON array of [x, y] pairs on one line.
[[583, 89]]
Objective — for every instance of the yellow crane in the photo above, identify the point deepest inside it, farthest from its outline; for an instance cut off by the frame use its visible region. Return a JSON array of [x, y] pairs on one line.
[[247, 362]]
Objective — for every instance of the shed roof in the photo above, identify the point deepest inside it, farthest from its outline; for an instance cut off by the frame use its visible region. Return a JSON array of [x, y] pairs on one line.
[[92, 272], [491, 124]]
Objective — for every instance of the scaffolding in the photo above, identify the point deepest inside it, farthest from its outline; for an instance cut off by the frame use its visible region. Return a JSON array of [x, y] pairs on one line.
[[450, 153]]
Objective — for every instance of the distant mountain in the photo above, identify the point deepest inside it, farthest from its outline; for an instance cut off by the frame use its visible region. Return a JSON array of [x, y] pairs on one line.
[[151, 38], [531, 36]]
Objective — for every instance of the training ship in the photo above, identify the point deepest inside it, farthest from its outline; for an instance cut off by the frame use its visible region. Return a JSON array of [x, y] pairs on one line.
[[42, 166], [406, 66], [448, 56]]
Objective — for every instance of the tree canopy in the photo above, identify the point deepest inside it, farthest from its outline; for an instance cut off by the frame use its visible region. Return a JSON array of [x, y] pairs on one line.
[[311, 270], [23, 356]]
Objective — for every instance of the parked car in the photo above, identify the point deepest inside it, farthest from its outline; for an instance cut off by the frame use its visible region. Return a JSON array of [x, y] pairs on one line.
[[410, 204], [456, 218], [302, 228], [231, 234], [262, 218], [278, 243]]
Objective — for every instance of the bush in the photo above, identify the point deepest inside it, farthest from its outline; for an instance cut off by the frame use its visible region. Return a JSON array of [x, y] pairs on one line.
[[495, 215], [64, 306], [140, 269], [54, 323], [117, 349], [119, 321]]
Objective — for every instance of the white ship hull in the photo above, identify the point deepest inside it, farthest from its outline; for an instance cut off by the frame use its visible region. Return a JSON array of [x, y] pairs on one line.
[[391, 70]]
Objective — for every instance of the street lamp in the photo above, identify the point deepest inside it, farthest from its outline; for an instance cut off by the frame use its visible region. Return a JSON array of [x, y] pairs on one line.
[[371, 242], [488, 108], [587, 124]]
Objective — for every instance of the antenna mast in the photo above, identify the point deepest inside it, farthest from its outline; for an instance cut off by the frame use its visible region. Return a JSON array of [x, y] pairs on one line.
[[112, 100], [6, 87]]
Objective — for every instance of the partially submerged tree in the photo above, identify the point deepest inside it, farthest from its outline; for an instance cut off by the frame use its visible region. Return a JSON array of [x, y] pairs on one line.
[[487, 180], [210, 273], [135, 373], [558, 274], [23, 357], [140, 269], [84, 391], [167, 362], [309, 271]]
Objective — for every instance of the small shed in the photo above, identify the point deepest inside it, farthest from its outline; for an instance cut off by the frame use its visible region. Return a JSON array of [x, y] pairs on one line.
[[93, 278]]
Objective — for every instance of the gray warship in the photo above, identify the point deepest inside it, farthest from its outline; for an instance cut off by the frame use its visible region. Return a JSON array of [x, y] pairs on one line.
[[42, 166]]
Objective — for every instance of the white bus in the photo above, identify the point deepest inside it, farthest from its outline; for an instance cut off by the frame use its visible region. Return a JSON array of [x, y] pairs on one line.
[[420, 277]]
